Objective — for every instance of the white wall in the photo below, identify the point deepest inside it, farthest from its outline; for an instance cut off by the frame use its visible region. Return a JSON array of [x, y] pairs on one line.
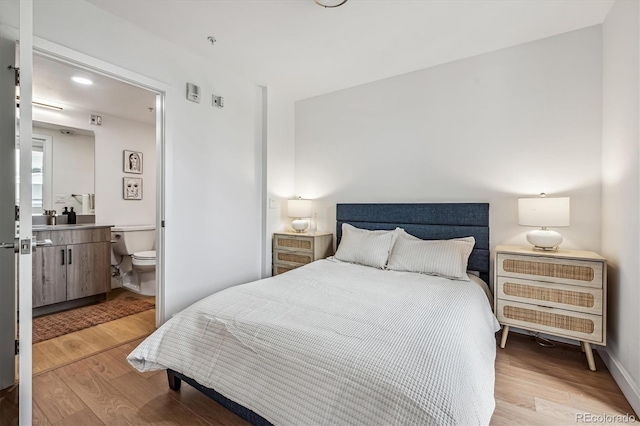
[[621, 192], [111, 139], [213, 210], [72, 163], [280, 165], [490, 128]]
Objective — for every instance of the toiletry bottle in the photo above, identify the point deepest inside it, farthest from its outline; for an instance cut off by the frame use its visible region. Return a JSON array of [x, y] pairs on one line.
[[72, 217], [51, 217], [65, 211]]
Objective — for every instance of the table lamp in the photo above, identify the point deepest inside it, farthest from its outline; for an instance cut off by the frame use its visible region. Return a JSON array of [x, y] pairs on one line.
[[300, 210], [544, 212]]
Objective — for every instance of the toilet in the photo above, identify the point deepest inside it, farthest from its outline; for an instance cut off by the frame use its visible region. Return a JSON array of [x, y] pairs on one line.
[[136, 243]]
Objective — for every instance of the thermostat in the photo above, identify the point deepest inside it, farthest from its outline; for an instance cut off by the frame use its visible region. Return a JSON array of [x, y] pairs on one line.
[[193, 93]]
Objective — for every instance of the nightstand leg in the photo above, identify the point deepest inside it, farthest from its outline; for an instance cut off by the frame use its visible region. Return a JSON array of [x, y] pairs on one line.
[[589, 353], [582, 346], [505, 333]]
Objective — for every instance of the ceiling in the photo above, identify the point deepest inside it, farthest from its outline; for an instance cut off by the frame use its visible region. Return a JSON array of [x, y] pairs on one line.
[[52, 85], [306, 50]]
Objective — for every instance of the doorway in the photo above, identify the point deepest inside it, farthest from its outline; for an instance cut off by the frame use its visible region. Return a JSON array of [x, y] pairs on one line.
[[97, 122]]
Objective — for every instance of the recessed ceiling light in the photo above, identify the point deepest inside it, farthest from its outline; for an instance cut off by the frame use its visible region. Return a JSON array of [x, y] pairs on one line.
[[82, 80]]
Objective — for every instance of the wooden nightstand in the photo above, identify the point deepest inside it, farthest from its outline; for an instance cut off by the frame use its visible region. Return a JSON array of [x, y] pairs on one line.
[[291, 250], [561, 293]]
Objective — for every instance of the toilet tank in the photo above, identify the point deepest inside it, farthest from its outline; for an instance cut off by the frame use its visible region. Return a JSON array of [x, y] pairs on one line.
[[131, 239]]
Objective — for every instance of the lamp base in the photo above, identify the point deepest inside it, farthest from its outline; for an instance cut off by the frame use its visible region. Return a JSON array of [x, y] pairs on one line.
[[544, 239], [300, 225]]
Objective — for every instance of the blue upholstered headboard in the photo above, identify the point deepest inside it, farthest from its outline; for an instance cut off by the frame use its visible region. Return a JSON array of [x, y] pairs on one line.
[[438, 221]]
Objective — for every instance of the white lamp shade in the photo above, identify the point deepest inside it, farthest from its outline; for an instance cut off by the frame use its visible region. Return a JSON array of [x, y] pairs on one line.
[[299, 208], [544, 211]]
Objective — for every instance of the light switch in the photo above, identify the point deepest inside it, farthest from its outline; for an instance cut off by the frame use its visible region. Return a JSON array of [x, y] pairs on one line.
[[272, 203]]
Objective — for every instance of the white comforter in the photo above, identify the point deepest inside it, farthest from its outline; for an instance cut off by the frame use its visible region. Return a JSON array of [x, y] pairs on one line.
[[333, 343]]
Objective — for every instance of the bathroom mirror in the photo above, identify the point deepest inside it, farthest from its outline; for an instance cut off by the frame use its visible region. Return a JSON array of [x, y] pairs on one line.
[[63, 168]]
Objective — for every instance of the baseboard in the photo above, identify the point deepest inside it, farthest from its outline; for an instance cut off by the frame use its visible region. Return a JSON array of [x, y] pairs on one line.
[[622, 378]]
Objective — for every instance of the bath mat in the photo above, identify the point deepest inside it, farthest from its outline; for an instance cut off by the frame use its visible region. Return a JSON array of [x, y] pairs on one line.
[[58, 324]]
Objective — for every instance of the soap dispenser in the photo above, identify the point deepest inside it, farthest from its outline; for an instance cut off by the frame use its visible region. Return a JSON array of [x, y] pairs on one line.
[[65, 211], [72, 217]]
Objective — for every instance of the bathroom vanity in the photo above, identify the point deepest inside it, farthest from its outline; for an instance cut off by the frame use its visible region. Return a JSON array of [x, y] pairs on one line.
[[74, 270]]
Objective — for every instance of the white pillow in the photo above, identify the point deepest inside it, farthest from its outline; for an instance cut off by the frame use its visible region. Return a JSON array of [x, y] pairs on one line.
[[369, 248], [445, 258]]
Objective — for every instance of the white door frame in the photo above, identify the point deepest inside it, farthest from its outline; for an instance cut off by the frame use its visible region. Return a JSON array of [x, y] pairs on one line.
[[42, 47], [54, 51], [25, 262], [51, 50]]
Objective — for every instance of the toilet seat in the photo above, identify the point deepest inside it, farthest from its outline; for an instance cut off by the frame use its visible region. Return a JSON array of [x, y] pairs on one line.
[[144, 258]]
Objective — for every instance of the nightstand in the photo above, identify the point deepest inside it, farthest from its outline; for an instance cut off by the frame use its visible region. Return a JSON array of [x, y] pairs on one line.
[[561, 293], [292, 250]]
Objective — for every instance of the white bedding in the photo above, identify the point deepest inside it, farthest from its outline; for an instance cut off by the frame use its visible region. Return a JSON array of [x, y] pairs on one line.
[[334, 343]]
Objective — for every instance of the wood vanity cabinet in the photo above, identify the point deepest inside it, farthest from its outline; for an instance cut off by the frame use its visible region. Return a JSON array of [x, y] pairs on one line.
[[49, 279], [76, 266]]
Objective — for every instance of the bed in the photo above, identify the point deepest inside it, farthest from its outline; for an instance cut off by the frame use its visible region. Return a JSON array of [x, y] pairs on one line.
[[340, 343]]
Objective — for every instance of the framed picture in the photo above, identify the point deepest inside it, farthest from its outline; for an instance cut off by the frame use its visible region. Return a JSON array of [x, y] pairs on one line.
[[132, 188], [132, 162]]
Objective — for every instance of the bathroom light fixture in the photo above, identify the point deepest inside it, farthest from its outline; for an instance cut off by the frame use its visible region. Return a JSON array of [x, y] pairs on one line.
[[40, 104], [544, 212], [329, 4], [82, 80], [300, 210]]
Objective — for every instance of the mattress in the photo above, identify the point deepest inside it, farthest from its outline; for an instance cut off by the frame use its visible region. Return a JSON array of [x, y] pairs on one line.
[[333, 343]]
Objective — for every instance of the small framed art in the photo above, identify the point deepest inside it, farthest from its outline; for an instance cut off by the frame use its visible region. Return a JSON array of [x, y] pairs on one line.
[[132, 162], [132, 188]]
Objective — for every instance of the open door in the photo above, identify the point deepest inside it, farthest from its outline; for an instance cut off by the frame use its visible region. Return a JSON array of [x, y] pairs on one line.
[[8, 261], [16, 233]]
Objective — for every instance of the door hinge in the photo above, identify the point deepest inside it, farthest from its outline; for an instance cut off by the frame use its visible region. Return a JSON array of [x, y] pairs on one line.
[[17, 212], [17, 74], [17, 347], [162, 223]]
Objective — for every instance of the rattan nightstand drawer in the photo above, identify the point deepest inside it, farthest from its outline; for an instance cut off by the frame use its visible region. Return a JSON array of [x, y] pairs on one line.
[[556, 270], [292, 258], [279, 268], [552, 295], [560, 322], [293, 242]]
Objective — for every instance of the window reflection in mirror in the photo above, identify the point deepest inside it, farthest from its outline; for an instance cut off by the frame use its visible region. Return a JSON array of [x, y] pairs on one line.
[[62, 168], [37, 175]]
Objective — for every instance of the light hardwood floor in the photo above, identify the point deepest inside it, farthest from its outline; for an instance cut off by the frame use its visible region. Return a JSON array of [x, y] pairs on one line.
[[534, 386], [550, 386], [74, 346]]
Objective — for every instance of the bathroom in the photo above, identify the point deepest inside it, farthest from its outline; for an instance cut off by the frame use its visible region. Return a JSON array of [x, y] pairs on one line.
[[94, 142]]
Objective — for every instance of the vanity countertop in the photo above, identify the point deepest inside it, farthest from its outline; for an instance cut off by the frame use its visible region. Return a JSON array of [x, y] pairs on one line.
[[66, 227]]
